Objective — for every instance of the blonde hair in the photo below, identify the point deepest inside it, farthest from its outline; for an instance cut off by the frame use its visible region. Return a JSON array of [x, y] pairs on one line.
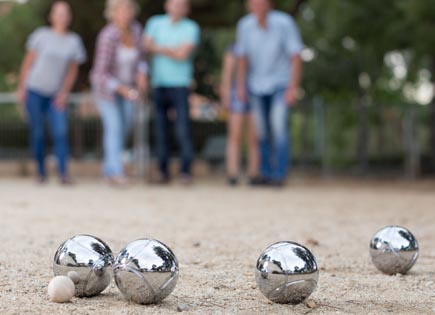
[[112, 4]]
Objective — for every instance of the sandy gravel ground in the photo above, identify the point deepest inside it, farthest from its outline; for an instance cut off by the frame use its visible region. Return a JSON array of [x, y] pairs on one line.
[[217, 233]]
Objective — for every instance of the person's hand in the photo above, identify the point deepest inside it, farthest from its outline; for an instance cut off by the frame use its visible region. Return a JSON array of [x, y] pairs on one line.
[[142, 84], [60, 100], [160, 50], [150, 46], [168, 52], [21, 96], [242, 94], [291, 96], [153, 48], [128, 93]]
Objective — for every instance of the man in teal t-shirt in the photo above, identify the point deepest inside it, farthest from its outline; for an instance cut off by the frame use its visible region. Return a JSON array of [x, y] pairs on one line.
[[171, 40]]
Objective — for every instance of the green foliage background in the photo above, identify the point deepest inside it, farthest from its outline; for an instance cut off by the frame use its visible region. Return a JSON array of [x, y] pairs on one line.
[[375, 28]]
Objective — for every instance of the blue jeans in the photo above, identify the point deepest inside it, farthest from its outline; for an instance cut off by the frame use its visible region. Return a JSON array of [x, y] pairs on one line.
[[164, 100], [117, 117], [271, 116], [39, 109]]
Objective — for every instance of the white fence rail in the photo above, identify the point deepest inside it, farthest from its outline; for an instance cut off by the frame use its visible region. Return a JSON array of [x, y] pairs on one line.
[[409, 118], [141, 144], [75, 98]]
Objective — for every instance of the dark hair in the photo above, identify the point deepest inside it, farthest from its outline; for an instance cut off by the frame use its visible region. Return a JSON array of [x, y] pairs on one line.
[[50, 9]]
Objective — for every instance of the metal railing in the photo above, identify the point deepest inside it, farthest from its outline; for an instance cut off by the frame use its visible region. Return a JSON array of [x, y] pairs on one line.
[[325, 137]]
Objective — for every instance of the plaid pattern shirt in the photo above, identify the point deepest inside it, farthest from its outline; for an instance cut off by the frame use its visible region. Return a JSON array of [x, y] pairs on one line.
[[103, 77]]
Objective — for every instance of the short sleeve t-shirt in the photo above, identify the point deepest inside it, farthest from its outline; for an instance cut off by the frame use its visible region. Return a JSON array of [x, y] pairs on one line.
[[167, 72], [54, 53], [268, 50]]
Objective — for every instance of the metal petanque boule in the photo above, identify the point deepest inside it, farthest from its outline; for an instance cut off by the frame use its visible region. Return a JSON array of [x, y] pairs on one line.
[[287, 273], [146, 271], [89, 259], [394, 250]]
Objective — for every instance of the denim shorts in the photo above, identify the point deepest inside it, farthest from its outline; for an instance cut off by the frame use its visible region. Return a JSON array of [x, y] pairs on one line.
[[238, 107]]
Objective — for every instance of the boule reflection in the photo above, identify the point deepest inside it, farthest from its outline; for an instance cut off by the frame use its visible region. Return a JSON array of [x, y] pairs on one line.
[[394, 250], [91, 261], [287, 273], [146, 271]]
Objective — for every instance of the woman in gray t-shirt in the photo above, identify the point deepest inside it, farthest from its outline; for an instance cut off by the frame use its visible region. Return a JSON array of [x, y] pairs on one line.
[[48, 73]]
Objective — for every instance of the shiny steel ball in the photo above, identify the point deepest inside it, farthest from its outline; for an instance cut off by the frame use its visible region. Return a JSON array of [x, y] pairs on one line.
[[89, 259], [394, 250], [146, 271], [287, 273]]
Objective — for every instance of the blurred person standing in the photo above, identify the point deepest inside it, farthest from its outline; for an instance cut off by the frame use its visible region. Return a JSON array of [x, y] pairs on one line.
[[240, 113], [119, 80], [171, 40], [270, 66], [48, 73]]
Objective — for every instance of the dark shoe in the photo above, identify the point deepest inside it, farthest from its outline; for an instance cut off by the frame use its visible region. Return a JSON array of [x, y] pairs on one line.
[[276, 183], [66, 181], [161, 180], [41, 179], [258, 181], [186, 180], [233, 181]]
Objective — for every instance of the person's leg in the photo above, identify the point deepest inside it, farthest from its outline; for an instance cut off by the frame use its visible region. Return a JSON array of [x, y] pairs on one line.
[[126, 109], [161, 125], [180, 99], [59, 134], [127, 112], [112, 138], [35, 110], [260, 109], [235, 126], [281, 139], [253, 152]]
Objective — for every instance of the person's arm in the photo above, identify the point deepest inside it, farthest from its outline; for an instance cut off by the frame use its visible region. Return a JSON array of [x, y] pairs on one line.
[[242, 71], [152, 48], [101, 74], [294, 46], [229, 63], [71, 76], [182, 52], [141, 78], [292, 89], [27, 63], [142, 84], [241, 53]]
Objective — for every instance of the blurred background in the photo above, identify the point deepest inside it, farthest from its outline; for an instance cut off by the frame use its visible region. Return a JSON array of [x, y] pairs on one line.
[[367, 106]]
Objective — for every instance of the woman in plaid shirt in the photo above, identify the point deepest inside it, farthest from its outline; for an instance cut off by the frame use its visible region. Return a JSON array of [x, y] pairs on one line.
[[119, 79]]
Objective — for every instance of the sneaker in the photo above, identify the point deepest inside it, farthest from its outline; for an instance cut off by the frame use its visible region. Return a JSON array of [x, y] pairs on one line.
[[233, 181], [66, 181], [160, 180], [186, 180], [258, 181], [41, 179], [276, 183], [118, 181]]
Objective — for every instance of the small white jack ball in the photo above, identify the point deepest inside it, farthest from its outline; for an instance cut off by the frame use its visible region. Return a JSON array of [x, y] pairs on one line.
[[61, 289], [74, 276]]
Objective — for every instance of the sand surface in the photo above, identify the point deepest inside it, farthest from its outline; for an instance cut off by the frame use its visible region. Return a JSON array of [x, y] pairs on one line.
[[217, 234]]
